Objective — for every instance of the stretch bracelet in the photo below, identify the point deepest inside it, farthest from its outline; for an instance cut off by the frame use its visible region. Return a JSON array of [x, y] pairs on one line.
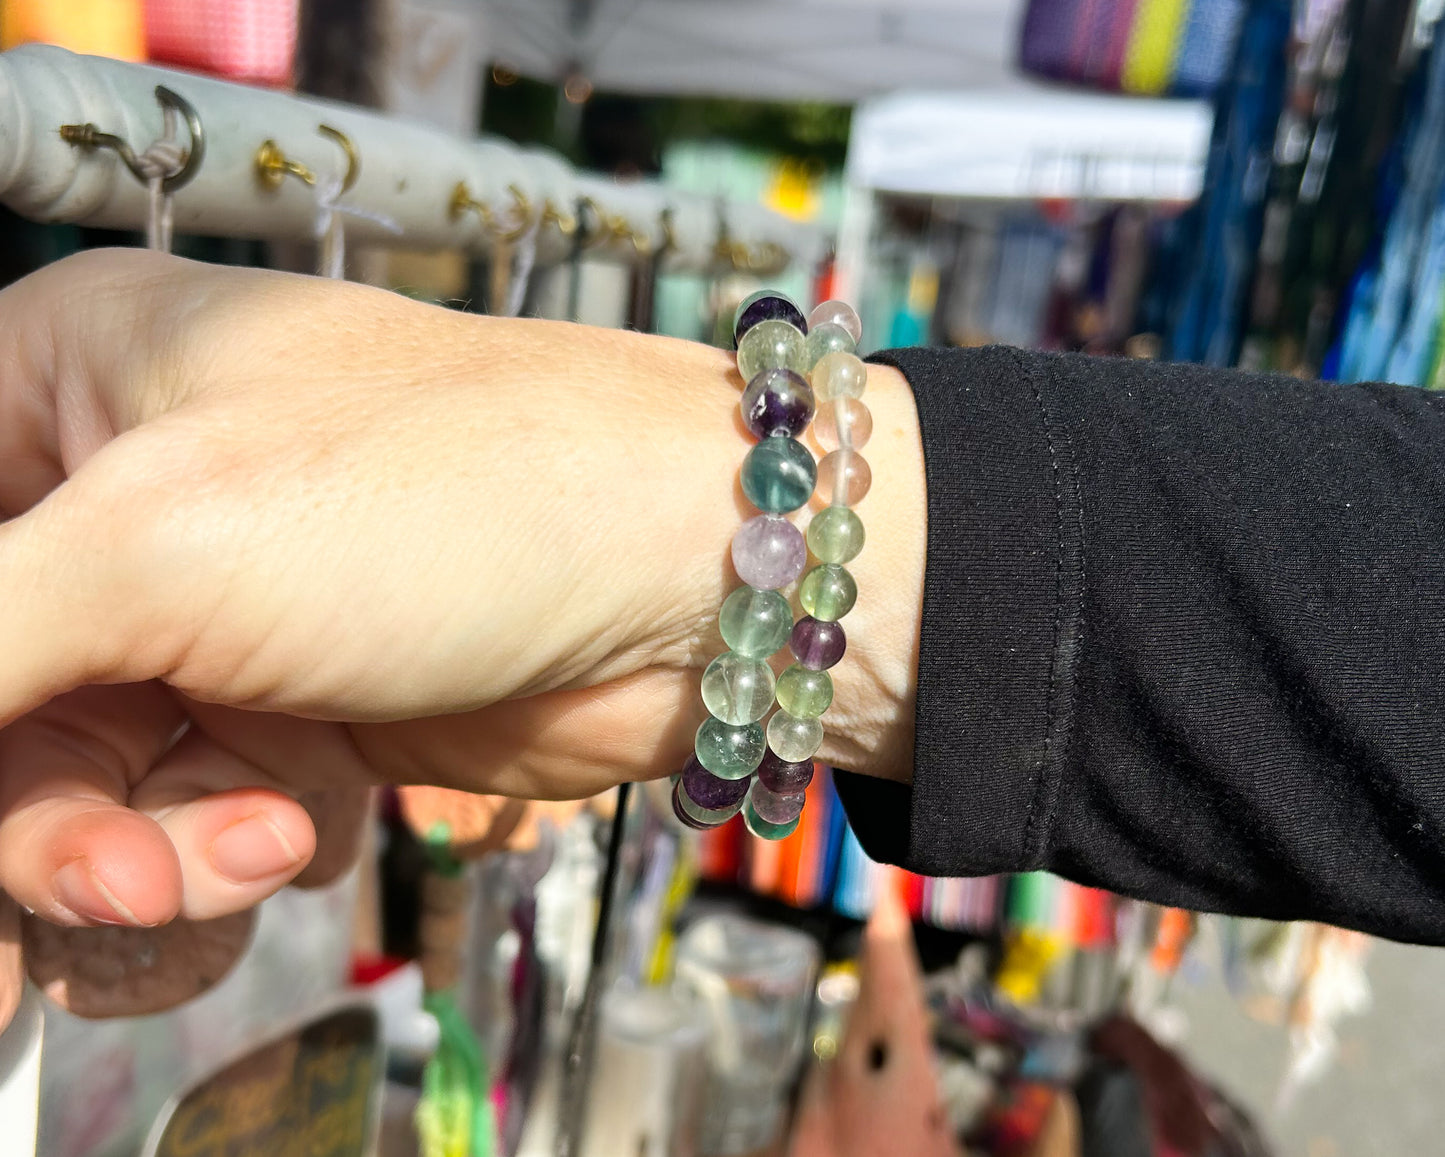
[[737, 765]]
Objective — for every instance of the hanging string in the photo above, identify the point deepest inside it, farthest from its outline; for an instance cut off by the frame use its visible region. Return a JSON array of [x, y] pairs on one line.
[[329, 229], [164, 158], [523, 258]]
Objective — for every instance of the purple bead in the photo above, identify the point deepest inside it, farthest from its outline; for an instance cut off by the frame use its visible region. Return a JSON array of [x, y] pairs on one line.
[[711, 791], [765, 306], [784, 778], [777, 807], [687, 820], [817, 645], [769, 552], [776, 401]]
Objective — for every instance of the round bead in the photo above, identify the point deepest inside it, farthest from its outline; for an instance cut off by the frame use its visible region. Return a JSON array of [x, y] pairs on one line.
[[826, 339], [828, 592], [838, 375], [792, 739], [837, 313], [769, 552], [701, 817], [779, 474], [803, 692], [817, 645], [737, 689], [777, 402], [764, 830], [770, 345], [844, 423], [711, 791], [835, 535], [727, 751], [844, 478], [776, 807], [765, 305], [683, 818], [781, 776], [755, 623]]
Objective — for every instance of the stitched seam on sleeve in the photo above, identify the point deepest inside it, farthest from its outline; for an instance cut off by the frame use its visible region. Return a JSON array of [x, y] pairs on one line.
[[1051, 703]]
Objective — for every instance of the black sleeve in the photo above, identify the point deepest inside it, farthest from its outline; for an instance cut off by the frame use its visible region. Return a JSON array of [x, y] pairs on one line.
[[1183, 638]]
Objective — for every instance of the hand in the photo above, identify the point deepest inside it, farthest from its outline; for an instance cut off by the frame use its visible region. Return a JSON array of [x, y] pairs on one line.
[[272, 534]]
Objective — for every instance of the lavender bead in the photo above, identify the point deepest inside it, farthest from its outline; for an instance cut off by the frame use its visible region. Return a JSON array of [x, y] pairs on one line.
[[817, 645], [777, 400], [711, 791], [769, 552], [776, 807], [765, 305], [778, 775]]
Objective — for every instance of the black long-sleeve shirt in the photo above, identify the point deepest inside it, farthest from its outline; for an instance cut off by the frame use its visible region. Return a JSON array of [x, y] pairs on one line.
[[1183, 637]]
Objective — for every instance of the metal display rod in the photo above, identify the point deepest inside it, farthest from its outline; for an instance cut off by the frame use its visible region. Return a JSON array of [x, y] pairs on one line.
[[78, 138]]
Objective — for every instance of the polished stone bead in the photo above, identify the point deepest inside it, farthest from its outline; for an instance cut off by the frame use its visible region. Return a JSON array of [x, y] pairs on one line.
[[708, 790], [826, 339], [817, 645], [755, 622], [828, 592], [737, 689], [764, 830], [781, 776], [838, 375], [770, 345], [777, 402], [769, 552], [835, 535], [840, 313], [803, 692], [779, 474], [776, 807], [843, 424], [765, 305], [794, 740], [701, 818], [844, 478], [727, 751]]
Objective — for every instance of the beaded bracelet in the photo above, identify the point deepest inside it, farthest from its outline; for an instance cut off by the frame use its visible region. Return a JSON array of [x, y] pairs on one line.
[[736, 764]]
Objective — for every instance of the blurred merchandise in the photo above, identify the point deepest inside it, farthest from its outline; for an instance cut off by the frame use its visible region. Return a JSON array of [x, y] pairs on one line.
[[247, 40]]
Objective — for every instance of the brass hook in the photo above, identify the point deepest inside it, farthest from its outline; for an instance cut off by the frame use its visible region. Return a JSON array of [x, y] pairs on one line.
[[462, 201], [353, 159], [522, 205], [89, 136], [669, 232], [273, 166], [566, 223]]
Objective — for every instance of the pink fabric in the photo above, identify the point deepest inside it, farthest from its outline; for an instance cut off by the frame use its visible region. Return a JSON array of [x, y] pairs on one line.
[[247, 40]]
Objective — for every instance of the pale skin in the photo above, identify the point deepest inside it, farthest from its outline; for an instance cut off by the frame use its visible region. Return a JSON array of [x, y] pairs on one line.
[[270, 534]]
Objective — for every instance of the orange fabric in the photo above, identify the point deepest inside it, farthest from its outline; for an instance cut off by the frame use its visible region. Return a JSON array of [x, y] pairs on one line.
[[112, 28]]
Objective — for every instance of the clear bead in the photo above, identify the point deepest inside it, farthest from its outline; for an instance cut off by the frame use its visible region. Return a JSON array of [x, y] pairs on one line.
[[804, 694], [792, 739], [844, 478], [835, 535], [843, 424], [770, 345], [755, 623], [838, 375], [730, 752], [835, 312], [736, 689], [826, 339]]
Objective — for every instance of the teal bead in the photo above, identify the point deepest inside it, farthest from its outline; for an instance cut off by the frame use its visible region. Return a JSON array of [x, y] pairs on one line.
[[828, 592], [779, 474], [804, 694], [792, 739], [755, 623], [835, 535], [826, 339], [764, 830], [736, 689], [770, 345], [730, 752]]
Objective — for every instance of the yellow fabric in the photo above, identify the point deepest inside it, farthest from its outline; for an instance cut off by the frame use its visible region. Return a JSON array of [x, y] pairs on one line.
[[95, 27], [1154, 43]]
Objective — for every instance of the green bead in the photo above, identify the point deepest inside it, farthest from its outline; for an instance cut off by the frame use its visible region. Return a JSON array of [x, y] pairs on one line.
[[730, 752], [804, 694], [764, 830], [835, 535], [779, 474], [770, 345], [828, 592], [707, 815], [826, 339], [792, 739], [755, 623], [737, 689]]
